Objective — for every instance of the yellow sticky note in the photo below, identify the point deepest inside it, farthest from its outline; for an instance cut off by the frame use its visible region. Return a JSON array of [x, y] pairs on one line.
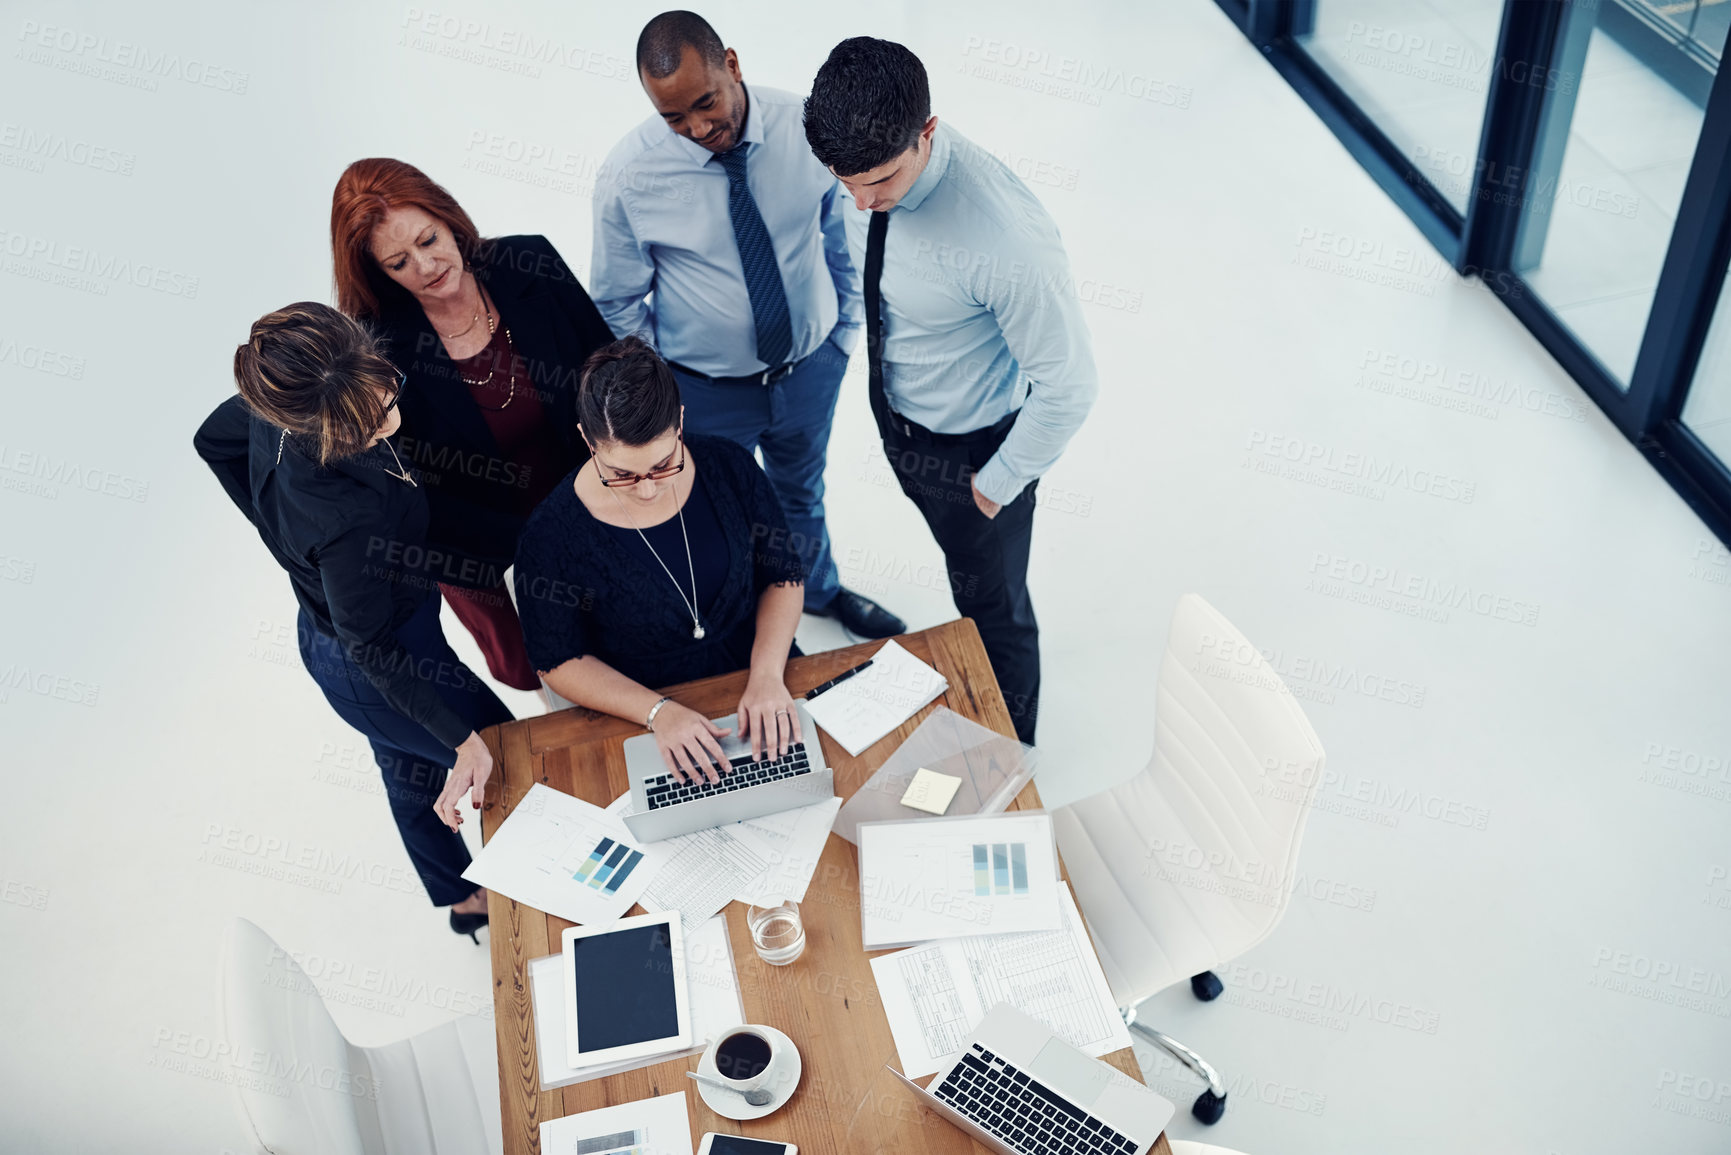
[[931, 791]]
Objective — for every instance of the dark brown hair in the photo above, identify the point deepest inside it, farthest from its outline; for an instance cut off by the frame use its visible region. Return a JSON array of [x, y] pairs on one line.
[[311, 370], [367, 190], [628, 394]]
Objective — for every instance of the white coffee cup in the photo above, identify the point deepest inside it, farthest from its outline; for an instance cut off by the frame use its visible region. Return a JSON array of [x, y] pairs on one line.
[[749, 1058]]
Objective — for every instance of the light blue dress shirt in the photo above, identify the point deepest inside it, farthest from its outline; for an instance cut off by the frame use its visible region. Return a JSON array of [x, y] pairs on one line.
[[665, 260], [980, 312]]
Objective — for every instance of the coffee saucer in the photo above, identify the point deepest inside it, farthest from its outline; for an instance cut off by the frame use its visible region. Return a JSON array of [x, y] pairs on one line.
[[732, 1104]]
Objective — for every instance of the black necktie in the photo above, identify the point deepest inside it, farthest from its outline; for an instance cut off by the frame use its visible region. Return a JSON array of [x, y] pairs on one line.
[[874, 271]]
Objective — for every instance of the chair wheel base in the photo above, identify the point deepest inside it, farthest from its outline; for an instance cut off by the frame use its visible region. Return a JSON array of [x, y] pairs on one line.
[[1208, 1107], [1206, 986]]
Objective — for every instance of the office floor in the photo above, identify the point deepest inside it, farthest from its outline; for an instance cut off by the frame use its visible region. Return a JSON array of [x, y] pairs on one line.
[[1513, 930]]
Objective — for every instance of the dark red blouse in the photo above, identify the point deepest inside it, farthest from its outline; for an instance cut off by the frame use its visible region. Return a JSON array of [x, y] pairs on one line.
[[500, 384]]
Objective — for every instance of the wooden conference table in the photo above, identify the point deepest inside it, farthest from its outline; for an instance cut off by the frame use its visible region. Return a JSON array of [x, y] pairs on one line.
[[826, 1001]]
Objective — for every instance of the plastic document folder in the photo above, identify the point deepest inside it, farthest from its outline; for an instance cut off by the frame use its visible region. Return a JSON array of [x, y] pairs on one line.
[[948, 877], [862, 709], [993, 769]]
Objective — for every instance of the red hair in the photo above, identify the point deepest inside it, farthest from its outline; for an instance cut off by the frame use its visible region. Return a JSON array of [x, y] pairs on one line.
[[367, 190]]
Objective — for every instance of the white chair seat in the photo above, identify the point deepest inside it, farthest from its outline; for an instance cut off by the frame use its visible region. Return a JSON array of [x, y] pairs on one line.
[[1191, 862], [435, 1093]]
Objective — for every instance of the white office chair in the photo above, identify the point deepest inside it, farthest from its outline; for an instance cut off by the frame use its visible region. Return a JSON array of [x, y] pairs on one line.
[[303, 1089], [1191, 863]]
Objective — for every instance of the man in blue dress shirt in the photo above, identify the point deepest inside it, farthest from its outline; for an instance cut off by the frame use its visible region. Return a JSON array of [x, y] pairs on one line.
[[981, 365], [719, 237]]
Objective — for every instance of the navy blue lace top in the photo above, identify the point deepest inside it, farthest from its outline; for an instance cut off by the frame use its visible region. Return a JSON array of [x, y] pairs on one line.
[[584, 587]]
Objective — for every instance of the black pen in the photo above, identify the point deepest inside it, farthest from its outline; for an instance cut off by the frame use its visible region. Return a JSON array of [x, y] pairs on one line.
[[837, 680]]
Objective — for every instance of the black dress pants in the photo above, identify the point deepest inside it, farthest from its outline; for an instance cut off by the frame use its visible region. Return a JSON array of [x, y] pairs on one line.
[[987, 557], [414, 763]]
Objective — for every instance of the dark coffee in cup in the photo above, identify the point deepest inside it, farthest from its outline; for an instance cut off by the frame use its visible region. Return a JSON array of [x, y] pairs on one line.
[[742, 1055]]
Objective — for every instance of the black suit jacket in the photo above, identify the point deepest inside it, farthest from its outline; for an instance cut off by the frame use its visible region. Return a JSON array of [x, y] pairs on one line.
[[473, 491], [349, 535]]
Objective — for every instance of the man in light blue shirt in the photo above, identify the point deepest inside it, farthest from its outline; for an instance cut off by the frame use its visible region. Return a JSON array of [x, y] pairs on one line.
[[719, 237], [981, 364]]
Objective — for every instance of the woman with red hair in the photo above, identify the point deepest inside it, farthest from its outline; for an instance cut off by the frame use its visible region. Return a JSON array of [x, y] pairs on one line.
[[492, 335]]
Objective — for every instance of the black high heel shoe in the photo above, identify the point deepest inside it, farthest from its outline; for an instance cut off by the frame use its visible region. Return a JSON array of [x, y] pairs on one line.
[[468, 924]]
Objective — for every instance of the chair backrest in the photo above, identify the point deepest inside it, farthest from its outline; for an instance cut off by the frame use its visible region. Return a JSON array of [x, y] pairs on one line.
[[294, 1072], [1192, 862]]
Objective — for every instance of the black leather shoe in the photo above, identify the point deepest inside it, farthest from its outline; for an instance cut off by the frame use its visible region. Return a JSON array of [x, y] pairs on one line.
[[860, 615]]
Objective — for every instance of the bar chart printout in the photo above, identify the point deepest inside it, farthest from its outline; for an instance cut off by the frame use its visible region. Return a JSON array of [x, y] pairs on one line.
[[607, 866], [560, 854], [619, 1143], [1000, 868]]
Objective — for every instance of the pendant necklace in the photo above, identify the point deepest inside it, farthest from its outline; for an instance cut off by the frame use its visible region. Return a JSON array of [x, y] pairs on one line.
[[697, 630], [400, 473]]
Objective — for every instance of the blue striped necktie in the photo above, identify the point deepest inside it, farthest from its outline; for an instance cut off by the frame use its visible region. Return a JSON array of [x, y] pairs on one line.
[[757, 256]]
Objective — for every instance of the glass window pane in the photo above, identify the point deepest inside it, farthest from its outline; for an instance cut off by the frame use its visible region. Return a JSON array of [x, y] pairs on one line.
[[1603, 191], [1419, 69], [1702, 22], [1707, 409]]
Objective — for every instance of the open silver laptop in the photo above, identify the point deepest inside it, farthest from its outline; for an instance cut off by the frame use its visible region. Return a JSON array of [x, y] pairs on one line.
[[1021, 1090], [749, 788]]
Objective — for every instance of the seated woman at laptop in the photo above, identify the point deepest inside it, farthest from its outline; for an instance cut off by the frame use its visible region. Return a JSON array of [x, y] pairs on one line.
[[661, 559]]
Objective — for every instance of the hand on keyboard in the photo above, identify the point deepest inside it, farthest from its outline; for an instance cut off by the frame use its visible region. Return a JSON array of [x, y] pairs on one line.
[[768, 717], [690, 743], [744, 771]]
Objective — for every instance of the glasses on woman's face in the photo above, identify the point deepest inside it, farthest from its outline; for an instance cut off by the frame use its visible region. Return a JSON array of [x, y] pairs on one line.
[[397, 393], [629, 479]]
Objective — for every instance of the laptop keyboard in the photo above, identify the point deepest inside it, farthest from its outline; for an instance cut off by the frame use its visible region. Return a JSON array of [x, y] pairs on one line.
[[664, 790], [1022, 1113]]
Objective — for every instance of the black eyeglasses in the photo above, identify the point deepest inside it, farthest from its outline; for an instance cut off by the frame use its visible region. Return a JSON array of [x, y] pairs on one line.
[[634, 478], [397, 394]]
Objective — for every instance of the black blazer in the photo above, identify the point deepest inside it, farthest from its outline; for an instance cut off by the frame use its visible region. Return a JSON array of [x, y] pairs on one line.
[[471, 488], [351, 538]]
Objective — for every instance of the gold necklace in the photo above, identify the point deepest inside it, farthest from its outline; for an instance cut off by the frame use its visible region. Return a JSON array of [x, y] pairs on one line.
[[510, 360], [477, 318]]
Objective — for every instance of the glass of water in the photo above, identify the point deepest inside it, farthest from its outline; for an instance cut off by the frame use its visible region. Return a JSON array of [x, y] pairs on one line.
[[776, 932]]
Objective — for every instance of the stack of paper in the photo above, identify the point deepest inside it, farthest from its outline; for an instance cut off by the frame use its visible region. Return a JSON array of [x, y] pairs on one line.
[[563, 856], [658, 1126], [935, 995], [761, 861], [865, 707], [715, 1006], [948, 877]]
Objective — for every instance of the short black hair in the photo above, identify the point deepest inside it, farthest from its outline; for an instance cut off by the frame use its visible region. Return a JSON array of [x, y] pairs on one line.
[[662, 43], [867, 106], [628, 394]]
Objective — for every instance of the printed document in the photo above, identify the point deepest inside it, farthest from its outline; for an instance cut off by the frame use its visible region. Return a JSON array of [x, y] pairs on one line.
[[935, 995], [861, 710], [771, 858], [928, 878], [563, 856], [658, 1126]]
